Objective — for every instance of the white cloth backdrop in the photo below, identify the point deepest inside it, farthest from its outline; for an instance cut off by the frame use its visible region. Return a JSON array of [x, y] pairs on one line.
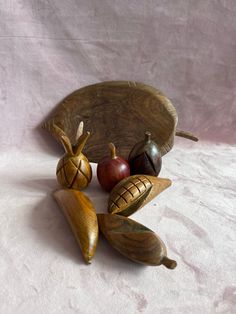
[[185, 48]]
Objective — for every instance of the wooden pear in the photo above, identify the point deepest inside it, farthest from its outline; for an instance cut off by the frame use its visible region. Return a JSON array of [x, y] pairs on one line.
[[73, 169], [134, 240], [81, 215]]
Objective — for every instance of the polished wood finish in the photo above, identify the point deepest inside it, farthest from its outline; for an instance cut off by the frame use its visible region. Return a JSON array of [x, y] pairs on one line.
[[81, 215], [118, 112], [134, 240], [73, 169], [134, 192], [158, 185], [186, 135], [145, 157], [112, 169]]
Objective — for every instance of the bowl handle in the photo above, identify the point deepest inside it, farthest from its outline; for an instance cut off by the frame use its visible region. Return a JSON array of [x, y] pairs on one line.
[[187, 135]]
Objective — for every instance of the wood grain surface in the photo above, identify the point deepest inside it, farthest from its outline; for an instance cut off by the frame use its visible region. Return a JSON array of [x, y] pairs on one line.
[[74, 172], [73, 169], [118, 112], [81, 215], [134, 192], [145, 157], [134, 240]]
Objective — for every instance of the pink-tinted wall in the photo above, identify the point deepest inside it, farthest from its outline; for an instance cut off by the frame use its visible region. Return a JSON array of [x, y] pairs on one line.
[[186, 48]]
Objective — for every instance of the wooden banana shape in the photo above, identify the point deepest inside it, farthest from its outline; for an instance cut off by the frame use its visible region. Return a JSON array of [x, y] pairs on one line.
[[82, 218], [134, 192], [134, 240]]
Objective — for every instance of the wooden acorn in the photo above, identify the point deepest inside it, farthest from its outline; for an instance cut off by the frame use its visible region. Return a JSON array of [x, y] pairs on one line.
[[73, 169], [145, 157], [134, 240], [82, 218], [134, 192]]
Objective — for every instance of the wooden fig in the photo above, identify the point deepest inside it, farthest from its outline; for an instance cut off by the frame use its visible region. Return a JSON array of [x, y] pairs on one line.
[[134, 240], [145, 157], [134, 192], [73, 169], [81, 215], [118, 112]]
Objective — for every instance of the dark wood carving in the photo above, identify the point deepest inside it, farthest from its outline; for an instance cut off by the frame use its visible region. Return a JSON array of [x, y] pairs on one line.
[[118, 112]]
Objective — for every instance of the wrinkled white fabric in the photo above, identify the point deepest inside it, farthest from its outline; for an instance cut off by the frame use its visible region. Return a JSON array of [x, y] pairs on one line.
[[41, 267], [186, 49]]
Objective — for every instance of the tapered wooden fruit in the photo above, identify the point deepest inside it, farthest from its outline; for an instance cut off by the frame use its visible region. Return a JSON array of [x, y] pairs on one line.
[[73, 169], [82, 218], [134, 240], [145, 157], [134, 192]]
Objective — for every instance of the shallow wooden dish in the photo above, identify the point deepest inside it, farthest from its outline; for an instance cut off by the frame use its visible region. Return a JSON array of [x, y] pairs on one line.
[[118, 112]]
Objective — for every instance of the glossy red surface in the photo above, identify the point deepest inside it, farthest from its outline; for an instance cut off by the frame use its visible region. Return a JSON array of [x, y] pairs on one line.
[[111, 171]]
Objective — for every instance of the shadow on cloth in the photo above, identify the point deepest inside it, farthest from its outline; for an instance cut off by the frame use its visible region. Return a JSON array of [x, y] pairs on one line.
[[49, 223], [54, 232]]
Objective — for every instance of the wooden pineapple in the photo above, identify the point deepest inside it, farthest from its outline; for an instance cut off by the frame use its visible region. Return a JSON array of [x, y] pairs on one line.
[[73, 169]]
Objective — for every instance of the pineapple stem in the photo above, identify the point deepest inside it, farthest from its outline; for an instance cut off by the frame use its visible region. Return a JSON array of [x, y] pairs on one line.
[[64, 139], [81, 142], [67, 144], [80, 130]]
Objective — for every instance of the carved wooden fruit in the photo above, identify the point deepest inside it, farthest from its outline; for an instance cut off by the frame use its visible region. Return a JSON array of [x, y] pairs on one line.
[[134, 240], [112, 169], [145, 157], [73, 169], [107, 109], [134, 192], [82, 218]]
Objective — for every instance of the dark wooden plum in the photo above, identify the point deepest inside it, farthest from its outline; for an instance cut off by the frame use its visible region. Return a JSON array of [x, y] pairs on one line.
[[145, 157]]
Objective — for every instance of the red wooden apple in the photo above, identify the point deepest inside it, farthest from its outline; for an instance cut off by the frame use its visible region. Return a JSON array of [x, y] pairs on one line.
[[112, 169]]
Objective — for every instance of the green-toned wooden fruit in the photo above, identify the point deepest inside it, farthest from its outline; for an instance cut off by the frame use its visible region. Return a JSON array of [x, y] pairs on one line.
[[134, 192], [134, 240], [81, 215], [73, 169], [145, 157]]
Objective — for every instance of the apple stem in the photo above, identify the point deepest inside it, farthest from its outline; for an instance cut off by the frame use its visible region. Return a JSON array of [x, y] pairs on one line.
[[147, 136], [112, 150]]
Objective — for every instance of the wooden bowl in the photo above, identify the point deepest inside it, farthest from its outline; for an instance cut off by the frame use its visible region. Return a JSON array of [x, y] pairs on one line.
[[118, 112]]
